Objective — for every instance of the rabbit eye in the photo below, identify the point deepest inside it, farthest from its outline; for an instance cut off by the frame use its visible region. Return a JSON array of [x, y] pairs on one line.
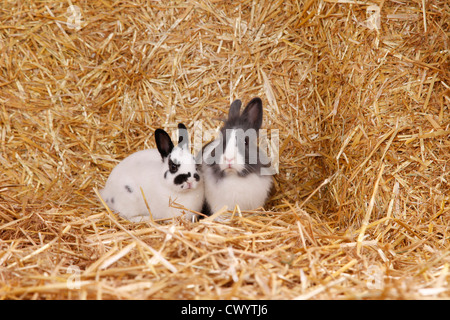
[[173, 167]]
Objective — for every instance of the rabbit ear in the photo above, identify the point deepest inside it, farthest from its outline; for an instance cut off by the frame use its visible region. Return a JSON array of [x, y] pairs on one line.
[[183, 136], [253, 113], [163, 142], [235, 109]]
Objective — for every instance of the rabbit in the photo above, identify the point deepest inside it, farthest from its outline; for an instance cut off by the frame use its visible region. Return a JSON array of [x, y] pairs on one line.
[[166, 174], [233, 166]]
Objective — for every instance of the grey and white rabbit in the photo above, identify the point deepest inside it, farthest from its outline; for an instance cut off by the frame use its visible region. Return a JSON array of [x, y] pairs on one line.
[[233, 165], [165, 174]]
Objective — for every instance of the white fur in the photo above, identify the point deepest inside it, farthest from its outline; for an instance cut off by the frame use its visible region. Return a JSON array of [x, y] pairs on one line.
[[249, 192], [145, 169]]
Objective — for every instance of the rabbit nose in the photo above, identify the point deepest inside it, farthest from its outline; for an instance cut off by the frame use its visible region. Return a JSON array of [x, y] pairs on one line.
[[191, 183]]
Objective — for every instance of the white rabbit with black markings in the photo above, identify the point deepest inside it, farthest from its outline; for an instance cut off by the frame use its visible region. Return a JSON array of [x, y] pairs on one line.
[[233, 167], [166, 174]]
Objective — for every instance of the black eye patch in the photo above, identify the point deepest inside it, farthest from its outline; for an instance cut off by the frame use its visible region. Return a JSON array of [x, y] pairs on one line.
[[173, 166], [179, 179]]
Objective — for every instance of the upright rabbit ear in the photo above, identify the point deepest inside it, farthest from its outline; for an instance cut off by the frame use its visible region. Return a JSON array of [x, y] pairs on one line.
[[235, 110], [163, 143], [183, 136], [253, 113]]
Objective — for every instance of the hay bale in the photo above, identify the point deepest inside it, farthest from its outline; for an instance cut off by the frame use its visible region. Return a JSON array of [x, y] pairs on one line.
[[361, 206]]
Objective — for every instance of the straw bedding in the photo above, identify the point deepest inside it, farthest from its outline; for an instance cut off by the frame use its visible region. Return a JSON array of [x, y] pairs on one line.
[[362, 200]]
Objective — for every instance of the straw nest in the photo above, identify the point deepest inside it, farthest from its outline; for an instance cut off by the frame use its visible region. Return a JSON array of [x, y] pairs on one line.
[[362, 200]]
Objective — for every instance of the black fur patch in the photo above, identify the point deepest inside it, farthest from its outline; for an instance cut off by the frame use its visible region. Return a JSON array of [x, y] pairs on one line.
[[128, 188], [179, 179], [196, 177]]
